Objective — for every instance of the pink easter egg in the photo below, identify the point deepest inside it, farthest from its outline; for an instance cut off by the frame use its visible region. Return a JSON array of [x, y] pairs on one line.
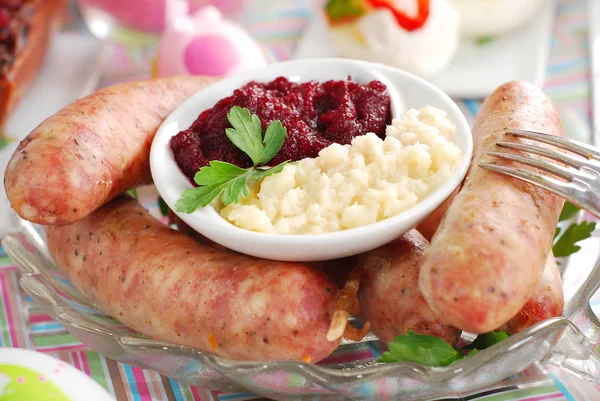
[[210, 55], [205, 43]]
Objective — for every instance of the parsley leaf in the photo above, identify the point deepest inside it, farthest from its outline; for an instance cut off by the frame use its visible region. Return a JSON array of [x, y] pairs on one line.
[[258, 175], [566, 244], [227, 179], [568, 211], [274, 137], [217, 172], [237, 187], [486, 340], [246, 133], [472, 352], [557, 232], [422, 349], [433, 351], [163, 207], [132, 193]]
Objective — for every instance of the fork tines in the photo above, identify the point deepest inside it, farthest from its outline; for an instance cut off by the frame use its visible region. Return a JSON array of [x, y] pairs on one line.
[[589, 158], [572, 174], [582, 149], [559, 187]]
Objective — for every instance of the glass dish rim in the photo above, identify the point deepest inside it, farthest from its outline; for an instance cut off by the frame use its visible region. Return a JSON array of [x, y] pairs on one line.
[[32, 268]]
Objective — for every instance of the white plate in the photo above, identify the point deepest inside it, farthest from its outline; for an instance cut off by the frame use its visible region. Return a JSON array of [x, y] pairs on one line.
[[24, 373], [72, 69], [476, 70]]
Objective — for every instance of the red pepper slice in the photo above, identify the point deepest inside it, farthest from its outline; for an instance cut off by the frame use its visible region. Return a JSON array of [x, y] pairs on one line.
[[405, 21]]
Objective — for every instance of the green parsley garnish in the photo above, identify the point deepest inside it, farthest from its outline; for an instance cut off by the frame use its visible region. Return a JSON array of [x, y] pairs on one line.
[[433, 351], [566, 244], [486, 340], [229, 180], [419, 348], [132, 193], [338, 9], [568, 211], [163, 207]]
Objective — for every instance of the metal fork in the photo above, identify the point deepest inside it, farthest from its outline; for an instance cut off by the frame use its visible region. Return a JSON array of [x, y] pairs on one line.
[[579, 182]]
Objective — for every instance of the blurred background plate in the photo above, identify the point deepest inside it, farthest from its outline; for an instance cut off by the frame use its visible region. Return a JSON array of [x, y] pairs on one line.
[[479, 66], [73, 68]]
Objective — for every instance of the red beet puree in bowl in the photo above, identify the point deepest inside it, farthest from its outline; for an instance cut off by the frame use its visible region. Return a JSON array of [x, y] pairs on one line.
[[314, 114]]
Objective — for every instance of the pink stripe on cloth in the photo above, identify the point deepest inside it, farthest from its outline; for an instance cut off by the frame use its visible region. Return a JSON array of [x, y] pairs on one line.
[[84, 362], [76, 360], [40, 319], [142, 386], [568, 80], [6, 300], [195, 394]]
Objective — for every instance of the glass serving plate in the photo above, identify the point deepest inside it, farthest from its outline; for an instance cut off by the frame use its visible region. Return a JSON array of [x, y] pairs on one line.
[[570, 342]]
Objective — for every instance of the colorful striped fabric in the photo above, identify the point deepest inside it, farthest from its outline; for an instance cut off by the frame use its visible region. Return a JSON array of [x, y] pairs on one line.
[[278, 24]]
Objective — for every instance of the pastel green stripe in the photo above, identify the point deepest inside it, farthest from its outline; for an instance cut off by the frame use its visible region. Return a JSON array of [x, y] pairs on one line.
[[515, 395], [576, 93], [55, 340], [96, 368], [187, 393], [269, 37], [6, 342], [34, 310], [6, 261]]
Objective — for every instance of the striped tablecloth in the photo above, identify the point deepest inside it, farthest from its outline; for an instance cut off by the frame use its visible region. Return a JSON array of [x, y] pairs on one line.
[[278, 24]]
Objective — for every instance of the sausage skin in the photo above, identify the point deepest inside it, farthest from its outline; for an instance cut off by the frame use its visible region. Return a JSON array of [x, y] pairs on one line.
[[169, 287], [92, 150], [389, 293], [547, 301], [429, 226], [488, 254]]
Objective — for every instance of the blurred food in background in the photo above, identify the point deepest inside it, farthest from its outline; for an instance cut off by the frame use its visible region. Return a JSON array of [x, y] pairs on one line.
[[419, 36], [191, 37], [26, 29], [205, 43], [481, 18]]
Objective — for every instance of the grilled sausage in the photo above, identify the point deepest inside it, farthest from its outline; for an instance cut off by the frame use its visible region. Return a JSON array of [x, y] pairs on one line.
[[547, 301], [389, 293], [488, 254], [91, 151], [169, 287]]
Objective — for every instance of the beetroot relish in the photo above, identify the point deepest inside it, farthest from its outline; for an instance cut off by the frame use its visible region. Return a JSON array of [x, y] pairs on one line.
[[314, 114]]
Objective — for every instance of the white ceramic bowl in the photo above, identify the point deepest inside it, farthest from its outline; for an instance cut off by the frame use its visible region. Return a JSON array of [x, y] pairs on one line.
[[407, 91]]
